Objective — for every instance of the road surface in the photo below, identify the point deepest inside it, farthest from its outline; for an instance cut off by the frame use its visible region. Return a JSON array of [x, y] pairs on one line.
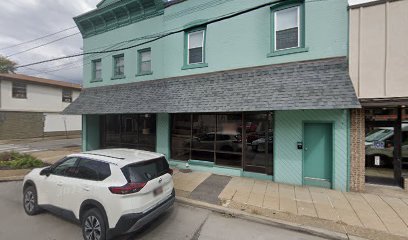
[[181, 222]]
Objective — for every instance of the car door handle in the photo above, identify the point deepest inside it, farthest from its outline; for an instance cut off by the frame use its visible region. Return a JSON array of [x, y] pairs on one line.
[[86, 188], [59, 184]]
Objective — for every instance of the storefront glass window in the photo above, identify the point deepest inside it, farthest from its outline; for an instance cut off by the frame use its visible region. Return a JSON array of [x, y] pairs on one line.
[[112, 130], [137, 131], [259, 142], [180, 136], [228, 140], [203, 137], [384, 145]]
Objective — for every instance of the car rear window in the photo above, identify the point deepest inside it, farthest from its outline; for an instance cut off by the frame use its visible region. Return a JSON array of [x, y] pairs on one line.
[[146, 171]]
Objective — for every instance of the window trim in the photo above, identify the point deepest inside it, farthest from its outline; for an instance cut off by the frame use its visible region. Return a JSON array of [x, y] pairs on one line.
[[114, 57], [12, 90], [139, 60], [94, 79], [202, 64], [298, 28], [301, 28]]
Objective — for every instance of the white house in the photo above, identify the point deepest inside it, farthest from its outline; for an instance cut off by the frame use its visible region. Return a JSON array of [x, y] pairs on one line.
[[31, 107]]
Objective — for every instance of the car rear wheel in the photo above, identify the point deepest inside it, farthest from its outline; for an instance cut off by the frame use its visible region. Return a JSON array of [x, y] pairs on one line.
[[30, 201], [93, 225]]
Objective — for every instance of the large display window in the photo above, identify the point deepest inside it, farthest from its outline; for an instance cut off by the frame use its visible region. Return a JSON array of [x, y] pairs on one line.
[[241, 140], [137, 131], [386, 145]]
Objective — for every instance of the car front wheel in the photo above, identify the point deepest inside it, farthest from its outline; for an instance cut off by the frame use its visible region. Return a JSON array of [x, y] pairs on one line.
[[30, 201], [93, 225]]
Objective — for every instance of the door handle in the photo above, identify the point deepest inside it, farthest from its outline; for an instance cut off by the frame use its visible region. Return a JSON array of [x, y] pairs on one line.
[[59, 184], [86, 188]]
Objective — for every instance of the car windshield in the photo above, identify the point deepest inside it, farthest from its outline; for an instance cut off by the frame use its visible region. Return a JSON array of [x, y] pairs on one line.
[[146, 171], [377, 134]]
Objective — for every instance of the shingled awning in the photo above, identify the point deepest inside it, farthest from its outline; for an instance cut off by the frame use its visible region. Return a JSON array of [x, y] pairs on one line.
[[318, 84]]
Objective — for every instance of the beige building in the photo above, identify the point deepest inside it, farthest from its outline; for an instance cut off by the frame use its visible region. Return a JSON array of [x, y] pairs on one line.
[[31, 107], [378, 54]]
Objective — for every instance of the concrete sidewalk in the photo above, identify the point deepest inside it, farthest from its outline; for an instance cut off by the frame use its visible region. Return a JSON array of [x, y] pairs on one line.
[[372, 216]]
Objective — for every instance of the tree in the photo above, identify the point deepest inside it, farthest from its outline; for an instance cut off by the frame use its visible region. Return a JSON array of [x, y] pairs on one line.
[[7, 65]]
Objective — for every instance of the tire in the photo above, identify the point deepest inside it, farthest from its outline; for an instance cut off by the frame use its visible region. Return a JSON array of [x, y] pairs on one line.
[[30, 202], [93, 225]]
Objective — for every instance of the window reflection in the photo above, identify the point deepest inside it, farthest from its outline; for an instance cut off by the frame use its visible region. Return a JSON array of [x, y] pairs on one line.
[[203, 136], [224, 138], [229, 140], [136, 131], [180, 136], [259, 142]]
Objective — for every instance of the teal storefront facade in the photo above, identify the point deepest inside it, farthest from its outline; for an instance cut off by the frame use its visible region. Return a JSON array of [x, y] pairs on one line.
[[287, 160], [245, 108]]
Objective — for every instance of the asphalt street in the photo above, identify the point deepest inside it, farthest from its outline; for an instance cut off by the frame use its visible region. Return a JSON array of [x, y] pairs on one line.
[[180, 222]]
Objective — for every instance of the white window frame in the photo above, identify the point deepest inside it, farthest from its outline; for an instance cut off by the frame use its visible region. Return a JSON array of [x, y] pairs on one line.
[[202, 48], [298, 26]]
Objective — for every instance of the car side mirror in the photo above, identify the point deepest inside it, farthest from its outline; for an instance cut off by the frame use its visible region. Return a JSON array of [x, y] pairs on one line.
[[46, 172]]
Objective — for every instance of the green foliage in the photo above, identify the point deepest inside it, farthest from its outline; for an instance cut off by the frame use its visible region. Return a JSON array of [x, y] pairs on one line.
[[15, 160], [6, 65]]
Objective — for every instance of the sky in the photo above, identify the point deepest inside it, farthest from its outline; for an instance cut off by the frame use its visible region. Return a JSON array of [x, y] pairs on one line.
[[24, 20]]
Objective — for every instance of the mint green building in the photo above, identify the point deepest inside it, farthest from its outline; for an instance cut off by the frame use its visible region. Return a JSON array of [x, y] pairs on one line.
[[248, 88]]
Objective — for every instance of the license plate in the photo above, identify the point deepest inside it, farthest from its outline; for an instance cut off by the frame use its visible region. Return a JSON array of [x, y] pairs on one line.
[[158, 191]]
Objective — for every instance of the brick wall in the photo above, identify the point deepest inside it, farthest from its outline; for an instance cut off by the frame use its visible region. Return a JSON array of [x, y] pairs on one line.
[[17, 125], [357, 147]]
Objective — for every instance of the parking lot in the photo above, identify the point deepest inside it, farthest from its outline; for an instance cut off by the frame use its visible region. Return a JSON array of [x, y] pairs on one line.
[[181, 222]]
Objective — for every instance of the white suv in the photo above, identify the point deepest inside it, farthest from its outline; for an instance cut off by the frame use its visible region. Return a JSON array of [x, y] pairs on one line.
[[109, 192]]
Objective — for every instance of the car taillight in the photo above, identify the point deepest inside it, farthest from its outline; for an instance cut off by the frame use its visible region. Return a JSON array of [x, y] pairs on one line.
[[128, 188], [170, 171]]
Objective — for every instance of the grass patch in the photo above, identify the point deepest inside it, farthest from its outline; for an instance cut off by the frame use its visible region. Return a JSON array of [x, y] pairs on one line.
[[15, 160]]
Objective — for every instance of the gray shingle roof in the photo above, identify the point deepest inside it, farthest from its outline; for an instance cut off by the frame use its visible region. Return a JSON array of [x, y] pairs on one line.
[[318, 84]]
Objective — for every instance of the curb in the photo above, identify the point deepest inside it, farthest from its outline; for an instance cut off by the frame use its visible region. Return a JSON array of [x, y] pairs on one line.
[[12, 179], [267, 221]]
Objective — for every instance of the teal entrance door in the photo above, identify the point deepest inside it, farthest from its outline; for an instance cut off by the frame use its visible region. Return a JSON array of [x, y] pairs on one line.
[[318, 154]]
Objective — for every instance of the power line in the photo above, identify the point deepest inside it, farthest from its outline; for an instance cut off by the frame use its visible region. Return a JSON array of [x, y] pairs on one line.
[[36, 39], [42, 45], [222, 18], [75, 62]]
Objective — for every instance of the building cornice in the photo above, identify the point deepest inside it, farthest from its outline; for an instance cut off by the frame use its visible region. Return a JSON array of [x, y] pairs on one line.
[[117, 14]]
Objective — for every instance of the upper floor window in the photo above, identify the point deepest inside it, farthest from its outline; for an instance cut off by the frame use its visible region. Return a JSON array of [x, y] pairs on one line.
[[97, 70], [67, 95], [288, 28], [194, 48], [145, 61], [195, 42], [118, 66], [19, 90]]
